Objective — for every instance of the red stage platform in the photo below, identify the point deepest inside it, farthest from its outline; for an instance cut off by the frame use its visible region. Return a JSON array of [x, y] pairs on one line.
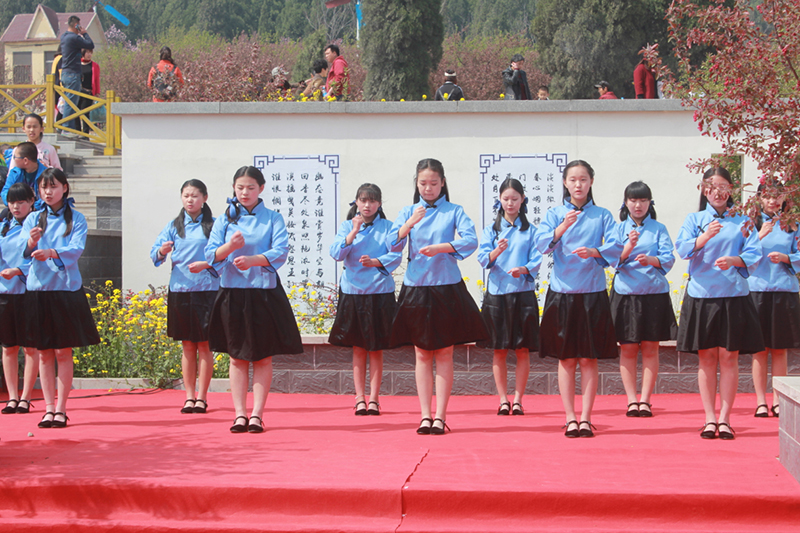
[[132, 462]]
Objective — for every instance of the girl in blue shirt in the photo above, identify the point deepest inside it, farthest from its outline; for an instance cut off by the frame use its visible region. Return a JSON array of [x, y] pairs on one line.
[[252, 319], [366, 292], [640, 302], [193, 286], [434, 309], [13, 272], [718, 319], [774, 291], [56, 301], [510, 309], [576, 323]]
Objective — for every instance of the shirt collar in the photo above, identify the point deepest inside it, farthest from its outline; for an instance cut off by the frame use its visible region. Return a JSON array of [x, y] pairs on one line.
[[644, 221], [517, 223], [187, 219], [569, 204], [713, 212], [68, 201], [438, 203]]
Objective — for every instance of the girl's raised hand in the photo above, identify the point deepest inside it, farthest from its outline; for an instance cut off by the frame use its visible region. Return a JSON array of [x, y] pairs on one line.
[[777, 257], [645, 260], [570, 219], [766, 229], [633, 238], [584, 253], [237, 241], [416, 216], [198, 266], [44, 255], [712, 229], [502, 246], [725, 262], [368, 261], [243, 262], [518, 271], [36, 234], [166, 248], [358, 220]]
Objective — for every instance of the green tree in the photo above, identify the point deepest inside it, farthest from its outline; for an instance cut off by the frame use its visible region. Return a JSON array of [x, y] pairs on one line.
[[292, 21], [584, 41], [493, 17], [402, 42], [313, 45], [268, 17]]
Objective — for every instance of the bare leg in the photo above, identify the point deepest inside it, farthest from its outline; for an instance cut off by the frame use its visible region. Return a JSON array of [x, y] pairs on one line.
[[423, 372], [589, 378], [707, 382], [359, 371], [566, 386], [760, 376], [47, 373], [31, 372], [375, 375], [262, 381], [649, 369], [206, 363], [444, 380], [521, 374], [779, 368], [628, 353], [65, 369], [239, 380], [500, 371], [11, 371], [189, 368], [728, 382]]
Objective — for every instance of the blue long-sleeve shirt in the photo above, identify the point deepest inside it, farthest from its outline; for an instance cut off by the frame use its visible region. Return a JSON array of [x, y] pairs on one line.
[[186, 251], [264, 233], [370, 240], [18, 175], [705, 279], [767, 276], [594, 228], [59, 273], [521, 252], [10, 257], [633, 278], [439, 226]]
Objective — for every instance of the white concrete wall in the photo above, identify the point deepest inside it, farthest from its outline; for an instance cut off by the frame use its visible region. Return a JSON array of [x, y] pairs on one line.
[[166, 144]]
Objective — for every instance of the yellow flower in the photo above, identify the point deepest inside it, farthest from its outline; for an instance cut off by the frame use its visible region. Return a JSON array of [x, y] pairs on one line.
[[683, 286], [383, 99], [480, 283], [502, 96], [675, 291], [90, 371], [685, 274], [109, 283], [75, 360], [461, 100], [446, 95], [424, 96], [466, 279], [88, 295], [402, 99]]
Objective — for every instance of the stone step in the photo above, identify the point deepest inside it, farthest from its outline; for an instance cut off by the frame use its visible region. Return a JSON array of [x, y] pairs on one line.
[[97, 170]]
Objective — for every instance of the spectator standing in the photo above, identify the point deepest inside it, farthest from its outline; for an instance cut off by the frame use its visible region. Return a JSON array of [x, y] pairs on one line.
[[73, 42], [338, 84], [605, 91], [515, 80], [165, 77], [90, 81], [449, 91], [544, 92], [644, 82]]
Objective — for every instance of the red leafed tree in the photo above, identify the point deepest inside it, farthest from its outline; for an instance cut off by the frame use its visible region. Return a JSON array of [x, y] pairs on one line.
[[739, 71]]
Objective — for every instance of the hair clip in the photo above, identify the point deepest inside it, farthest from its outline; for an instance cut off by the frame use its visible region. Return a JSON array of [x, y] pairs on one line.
[[352, 203], [497, 205], [652, 202]]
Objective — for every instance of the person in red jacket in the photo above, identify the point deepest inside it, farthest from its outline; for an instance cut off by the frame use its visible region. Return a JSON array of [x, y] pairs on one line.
[[605, 91], [90, 83], [165, 78], [644, 82], [338, 84]]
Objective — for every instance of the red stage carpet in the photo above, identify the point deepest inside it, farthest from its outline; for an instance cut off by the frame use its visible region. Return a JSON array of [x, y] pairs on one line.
[[133, 463]]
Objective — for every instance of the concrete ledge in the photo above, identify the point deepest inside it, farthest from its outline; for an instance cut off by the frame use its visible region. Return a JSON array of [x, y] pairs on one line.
[[392, 108], [788, 387]]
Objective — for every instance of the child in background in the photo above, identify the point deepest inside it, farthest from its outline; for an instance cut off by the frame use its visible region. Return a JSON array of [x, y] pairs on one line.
[[33, 126]]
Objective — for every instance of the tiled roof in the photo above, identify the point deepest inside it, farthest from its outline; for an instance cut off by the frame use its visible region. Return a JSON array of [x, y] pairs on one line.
[[17, 30]]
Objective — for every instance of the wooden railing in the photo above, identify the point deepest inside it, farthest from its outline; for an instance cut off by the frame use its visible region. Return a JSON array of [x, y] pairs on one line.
[[42, 99]]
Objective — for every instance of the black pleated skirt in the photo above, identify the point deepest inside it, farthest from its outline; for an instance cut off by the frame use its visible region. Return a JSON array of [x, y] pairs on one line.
[[363, 320], [779, 316], [730, 323], [188, 314], [577, 326], [643, 317], [436, 317], [59, 319], [12, 320], [512, 321], [252, 324]]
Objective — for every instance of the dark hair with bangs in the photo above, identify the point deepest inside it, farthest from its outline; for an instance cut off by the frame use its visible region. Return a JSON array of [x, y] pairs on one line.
[[722, 172], [208, 218], [517, 186], [763, 187], [19, 192], [371, 192], [636, 191], [577, 163], [436, 166], [247, 172], [50, 177]]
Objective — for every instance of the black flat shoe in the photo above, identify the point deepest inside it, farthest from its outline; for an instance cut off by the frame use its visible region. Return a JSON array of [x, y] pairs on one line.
[[571, 433], [645, 413], [45, 423], [707, 432], [728, 434], [201, 409], [633, 410], [188, 407], [436, 430], [59, 423], [255, 428], [10, 408], [762, 414], [516, 409], [237, 427], [504, 409], [361, 411], [24, 410], [586, 432], [424, 429], [776, 412], [376, 411]]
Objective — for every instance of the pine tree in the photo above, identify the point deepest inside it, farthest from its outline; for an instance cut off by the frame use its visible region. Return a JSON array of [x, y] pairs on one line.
[[402, 42]]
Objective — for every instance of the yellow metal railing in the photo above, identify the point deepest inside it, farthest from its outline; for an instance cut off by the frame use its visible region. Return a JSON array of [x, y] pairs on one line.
[[109, 135]]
